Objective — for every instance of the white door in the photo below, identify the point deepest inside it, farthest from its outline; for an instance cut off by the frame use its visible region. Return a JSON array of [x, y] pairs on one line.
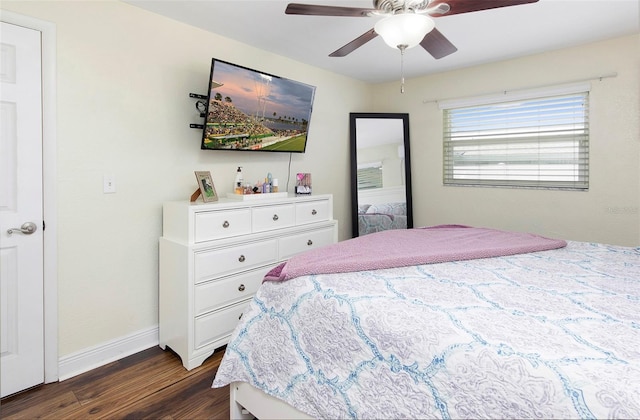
[[21, 201]]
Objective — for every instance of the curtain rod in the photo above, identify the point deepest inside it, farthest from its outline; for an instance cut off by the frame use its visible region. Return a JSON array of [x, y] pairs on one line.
[[504, 92]]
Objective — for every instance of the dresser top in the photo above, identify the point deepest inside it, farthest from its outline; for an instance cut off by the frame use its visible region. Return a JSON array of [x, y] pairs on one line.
[[224, 202]]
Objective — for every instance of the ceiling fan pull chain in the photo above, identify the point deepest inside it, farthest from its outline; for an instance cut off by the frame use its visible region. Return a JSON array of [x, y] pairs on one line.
[[402, 48]]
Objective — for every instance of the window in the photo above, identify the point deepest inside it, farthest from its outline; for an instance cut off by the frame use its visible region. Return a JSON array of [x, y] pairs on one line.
[[529, 139]]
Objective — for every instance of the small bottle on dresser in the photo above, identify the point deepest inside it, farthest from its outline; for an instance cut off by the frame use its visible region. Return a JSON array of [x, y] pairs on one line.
[[238, 184], [266, 187]]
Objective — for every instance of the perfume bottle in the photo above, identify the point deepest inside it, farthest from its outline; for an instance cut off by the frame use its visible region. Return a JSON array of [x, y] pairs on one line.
[[266, 187]]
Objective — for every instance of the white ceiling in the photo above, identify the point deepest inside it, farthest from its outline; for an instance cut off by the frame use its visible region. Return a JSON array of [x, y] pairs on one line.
[[481, 37]]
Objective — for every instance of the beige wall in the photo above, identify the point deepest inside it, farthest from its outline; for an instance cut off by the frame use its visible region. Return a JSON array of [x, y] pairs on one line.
[[124, 76], [608, 212]]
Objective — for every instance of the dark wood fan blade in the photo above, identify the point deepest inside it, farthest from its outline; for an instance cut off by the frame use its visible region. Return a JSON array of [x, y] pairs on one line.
[[437, 44], [356, 43], [466, 6], [319, 10]]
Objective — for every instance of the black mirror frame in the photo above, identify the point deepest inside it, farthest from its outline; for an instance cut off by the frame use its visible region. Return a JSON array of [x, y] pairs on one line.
[[354, 164]]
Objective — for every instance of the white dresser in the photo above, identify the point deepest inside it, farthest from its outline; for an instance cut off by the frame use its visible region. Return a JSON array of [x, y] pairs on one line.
[[213, 257]]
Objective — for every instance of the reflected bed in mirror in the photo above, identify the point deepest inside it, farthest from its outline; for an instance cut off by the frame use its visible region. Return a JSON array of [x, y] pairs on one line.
[[380, 172]]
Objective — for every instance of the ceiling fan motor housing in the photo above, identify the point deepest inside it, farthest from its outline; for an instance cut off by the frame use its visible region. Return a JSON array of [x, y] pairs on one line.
[[394, 6]]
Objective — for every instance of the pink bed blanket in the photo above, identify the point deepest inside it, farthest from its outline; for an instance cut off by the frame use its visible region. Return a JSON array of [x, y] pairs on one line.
[[404, 247]]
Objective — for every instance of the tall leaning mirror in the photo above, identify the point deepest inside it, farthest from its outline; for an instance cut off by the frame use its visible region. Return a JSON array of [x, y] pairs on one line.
[[380, 172]]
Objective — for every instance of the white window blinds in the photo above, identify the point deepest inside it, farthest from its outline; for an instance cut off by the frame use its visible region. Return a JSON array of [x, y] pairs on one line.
[[369, 175], [530, 139]]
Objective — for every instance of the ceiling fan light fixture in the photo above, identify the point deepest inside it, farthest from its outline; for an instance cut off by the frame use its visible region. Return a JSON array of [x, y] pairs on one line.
[[404, 29]]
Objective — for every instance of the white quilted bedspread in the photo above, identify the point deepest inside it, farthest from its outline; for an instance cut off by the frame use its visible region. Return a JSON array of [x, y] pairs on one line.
[[551, 334]]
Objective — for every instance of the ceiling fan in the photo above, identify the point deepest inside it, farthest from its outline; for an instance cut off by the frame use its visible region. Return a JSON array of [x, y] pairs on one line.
[[405, 23]]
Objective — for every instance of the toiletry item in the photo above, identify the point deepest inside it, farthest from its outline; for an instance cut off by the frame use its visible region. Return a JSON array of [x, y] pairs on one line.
[[269, 181], [266, 187], [237, 186], [274, 185]]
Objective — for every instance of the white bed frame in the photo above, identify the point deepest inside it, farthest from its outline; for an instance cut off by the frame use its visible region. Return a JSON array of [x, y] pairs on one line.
[[248, 402]]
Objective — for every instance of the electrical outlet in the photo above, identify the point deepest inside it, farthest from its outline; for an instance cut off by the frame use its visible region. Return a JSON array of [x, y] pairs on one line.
[[109, 184]]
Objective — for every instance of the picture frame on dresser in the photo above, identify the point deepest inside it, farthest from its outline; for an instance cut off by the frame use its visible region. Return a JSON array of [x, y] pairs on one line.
[[303, 183], [206, 187]]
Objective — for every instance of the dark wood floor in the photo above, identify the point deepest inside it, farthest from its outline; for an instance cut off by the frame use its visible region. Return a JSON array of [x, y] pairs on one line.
[[148, 385]]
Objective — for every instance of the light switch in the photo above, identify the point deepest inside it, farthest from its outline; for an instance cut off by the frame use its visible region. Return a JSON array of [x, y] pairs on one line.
[[109, 184]]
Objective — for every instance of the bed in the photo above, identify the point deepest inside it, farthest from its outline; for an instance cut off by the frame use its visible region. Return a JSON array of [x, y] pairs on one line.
[[546, 333], [374, 218]]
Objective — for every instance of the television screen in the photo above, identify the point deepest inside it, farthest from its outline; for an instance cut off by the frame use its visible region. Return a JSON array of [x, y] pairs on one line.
[[251, 110]]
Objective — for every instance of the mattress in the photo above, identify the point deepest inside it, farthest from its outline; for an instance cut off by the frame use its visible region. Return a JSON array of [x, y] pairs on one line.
[[550, 334]]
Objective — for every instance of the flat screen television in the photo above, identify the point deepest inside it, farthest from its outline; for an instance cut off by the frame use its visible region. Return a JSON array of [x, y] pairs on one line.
[[255, 111]]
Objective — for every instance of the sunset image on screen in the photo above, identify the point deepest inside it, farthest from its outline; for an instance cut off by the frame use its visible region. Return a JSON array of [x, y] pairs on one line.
[[249, 110]]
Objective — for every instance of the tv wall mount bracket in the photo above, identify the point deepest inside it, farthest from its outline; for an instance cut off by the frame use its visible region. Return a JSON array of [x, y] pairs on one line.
[[201, 106]]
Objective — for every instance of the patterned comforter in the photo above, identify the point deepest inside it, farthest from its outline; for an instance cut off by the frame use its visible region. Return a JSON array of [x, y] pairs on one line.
[[551, 334]]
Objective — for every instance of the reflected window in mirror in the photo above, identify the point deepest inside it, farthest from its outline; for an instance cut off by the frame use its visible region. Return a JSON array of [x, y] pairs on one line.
[[369, 176], [380, 172]]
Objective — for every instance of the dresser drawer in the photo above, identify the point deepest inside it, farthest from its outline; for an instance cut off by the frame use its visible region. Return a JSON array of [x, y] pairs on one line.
[[218, 293], [312, 211], [221, 224], [273, 217], [295, 244], [220, 262], [217, 325]]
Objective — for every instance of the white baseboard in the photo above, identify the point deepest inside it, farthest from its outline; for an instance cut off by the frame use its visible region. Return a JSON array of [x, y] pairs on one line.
[[91, 358]]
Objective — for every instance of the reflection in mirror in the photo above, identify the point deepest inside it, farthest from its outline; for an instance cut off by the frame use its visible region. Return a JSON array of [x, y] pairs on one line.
[[380, 172]]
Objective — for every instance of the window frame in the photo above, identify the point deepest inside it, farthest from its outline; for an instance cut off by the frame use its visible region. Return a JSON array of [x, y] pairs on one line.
[[518, 150]]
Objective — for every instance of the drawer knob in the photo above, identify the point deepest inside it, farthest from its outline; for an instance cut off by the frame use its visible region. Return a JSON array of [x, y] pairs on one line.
[[241, 288], [241, 259], [314, 212], [309, 242], [275, 217], [225, 224]]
